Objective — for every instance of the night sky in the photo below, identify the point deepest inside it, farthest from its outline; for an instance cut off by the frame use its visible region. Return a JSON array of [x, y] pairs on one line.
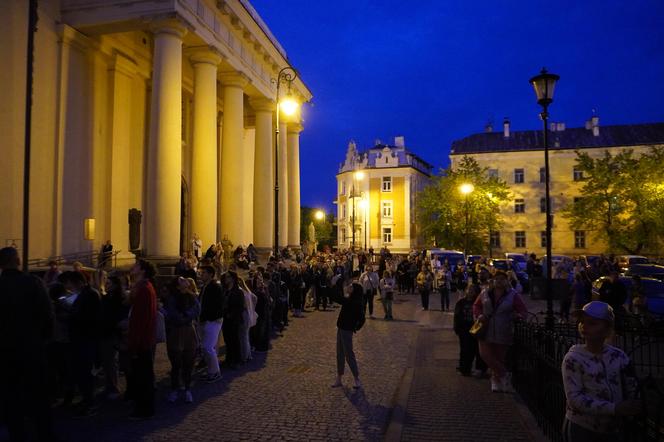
[[437, 71]]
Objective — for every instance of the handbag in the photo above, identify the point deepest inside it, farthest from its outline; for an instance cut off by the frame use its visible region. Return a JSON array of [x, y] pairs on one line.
[[478, 329]]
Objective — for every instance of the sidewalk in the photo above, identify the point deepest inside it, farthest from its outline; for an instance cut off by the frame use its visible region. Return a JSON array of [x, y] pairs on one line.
[[436, 403]]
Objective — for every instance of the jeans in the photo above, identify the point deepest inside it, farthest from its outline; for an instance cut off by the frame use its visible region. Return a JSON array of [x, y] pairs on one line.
[[109, 359], [231, 332], [387, 306], [468, 351], [181, 344], [444, 299], [424, 295], [345, 352], [140, 382], [321, 295], [210, 331], [369, 300], [84, 352]]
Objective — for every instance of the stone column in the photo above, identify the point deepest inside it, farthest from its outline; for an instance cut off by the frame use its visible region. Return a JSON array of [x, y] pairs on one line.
[[264, 174], [204, 152], [122, 74], [283, 185], [165, 144], [232, 168], [294, 130]]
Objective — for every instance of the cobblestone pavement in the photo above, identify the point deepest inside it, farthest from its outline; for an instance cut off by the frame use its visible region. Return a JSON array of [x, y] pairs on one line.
[[282, 395]]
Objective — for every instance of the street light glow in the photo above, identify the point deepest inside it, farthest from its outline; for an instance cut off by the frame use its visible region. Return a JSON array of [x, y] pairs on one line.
[[363, 204], [359, 175], [466, 188], [288, 105], [319, 215]]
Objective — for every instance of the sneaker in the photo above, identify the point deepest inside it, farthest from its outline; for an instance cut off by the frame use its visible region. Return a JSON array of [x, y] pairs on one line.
[[188, 398], [357, 385], [173, 396], [336, 384], [212, 378], [496, 386]]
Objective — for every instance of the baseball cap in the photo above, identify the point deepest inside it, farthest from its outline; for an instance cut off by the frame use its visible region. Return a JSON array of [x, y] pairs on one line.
[[599, 310]]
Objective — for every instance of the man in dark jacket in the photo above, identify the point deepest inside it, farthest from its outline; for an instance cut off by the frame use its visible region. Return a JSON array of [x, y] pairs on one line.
[[614, 293], [26, 324], [351, 319], [232, 318], [84, 332], [213, 308]]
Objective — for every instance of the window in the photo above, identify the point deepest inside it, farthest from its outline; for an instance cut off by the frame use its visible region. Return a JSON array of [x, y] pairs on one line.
[[580, 239], [542, 175], [387, 184], [343, 210], [519, 205], [543, 238], [520, 239], [518, 175], [494, 239], [578, 174], [343, 188], [493, 173], [343, 235], [542, 205], [387, 209], [387, 234]]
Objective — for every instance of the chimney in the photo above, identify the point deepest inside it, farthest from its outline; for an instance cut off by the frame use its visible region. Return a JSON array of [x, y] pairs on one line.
[[506, 127], [488, 127], [594, 121], [399, 141]]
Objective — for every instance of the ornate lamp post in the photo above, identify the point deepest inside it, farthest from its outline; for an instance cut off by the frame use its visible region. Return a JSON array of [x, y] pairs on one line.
[[544, 84], [466, 189], [288, 106]]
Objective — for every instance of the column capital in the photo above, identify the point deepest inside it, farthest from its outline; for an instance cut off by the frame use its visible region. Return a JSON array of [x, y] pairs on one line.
[[204, 54], [295, 128], [234, 79], [262, 104], [169, 25]]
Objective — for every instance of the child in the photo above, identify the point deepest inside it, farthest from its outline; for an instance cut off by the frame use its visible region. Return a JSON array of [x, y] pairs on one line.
[[463, 321], [598, 379]]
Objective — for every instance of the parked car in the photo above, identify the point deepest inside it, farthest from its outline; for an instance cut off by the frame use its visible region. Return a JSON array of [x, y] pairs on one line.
[[437, 257], [646, 270], [471, 260], [624, 261], [653, 289], [508, 264], [520, 259]]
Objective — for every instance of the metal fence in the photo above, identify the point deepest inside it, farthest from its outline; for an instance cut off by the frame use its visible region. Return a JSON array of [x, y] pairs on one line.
[[536, 361]]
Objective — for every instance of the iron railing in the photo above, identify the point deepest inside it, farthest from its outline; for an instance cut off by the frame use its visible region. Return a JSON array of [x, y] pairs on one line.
[[88, 258], [536, 360]]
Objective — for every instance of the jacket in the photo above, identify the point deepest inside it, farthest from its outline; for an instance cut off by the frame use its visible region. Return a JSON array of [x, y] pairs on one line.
[[351, 317], [141, 335], [594, 384], [501, 314], [86, 315], [213, 302]]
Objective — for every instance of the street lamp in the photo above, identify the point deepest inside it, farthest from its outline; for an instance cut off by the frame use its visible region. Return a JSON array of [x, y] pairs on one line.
[[288, 106], [357, 176], [466, 189], [319, 215], [544, 85], [364, 205]]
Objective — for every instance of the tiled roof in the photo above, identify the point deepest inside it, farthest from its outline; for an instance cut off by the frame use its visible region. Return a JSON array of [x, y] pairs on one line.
[[573, 138]]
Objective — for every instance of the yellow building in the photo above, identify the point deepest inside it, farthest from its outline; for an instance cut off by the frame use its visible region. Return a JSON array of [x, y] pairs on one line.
[[518, 159], [377, 188], [167, 107]]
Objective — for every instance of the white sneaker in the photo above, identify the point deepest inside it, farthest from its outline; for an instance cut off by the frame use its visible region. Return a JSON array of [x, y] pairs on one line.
[[173, 396], [188, 398], [496, 387]]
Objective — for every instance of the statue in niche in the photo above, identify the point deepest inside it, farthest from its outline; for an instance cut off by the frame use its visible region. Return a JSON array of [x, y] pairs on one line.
[[135, 218]]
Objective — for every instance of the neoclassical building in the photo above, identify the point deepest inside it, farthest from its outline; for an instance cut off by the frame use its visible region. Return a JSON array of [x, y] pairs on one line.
[[518, 158], [163, 106], [377, 195]]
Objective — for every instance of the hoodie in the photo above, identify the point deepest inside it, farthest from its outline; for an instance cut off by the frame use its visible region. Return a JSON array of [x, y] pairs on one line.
[[595, 384]]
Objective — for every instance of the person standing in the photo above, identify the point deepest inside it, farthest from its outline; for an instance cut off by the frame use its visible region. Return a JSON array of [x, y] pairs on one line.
[[26, 325], [444, 284], [424, 282], [248, 321], [197, 246], [181, 309], [463, 321], [141, 339], [232, 318], [369, 280], [213, 308], [386, 285], [51, 275], [614, 293], [114, 311], [599, 380], [261, 335], [350, 320]]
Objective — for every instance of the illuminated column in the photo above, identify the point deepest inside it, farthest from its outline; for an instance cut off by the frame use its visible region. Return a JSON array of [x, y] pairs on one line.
[[122, 74], [204, 152], [264, 174], [294, 130], [164, 161], [232, 160], [283, 185]]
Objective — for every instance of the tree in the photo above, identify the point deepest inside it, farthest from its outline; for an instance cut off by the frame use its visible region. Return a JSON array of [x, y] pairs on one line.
[[325, 231], [622, 200], [454, 220]]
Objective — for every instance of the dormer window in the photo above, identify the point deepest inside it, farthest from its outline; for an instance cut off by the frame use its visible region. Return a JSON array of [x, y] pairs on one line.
[[387, 184]]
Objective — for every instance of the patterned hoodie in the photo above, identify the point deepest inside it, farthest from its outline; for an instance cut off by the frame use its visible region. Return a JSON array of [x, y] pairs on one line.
[[595, 384]]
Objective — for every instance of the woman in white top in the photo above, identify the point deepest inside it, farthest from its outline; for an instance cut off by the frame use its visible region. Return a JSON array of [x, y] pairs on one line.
[[249, 318]]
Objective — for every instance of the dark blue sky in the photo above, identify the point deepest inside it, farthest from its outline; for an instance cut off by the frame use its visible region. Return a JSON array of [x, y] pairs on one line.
[[437, 70]]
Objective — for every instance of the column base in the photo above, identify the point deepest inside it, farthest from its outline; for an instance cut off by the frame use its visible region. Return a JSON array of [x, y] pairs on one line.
[[124, 259], [162, 261]]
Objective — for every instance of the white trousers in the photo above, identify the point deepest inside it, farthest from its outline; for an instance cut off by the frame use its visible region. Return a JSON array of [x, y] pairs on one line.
[[210, 331]]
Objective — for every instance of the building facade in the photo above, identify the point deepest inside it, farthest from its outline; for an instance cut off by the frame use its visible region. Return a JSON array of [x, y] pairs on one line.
[[377, 195], [518, 159], [167, 107]]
